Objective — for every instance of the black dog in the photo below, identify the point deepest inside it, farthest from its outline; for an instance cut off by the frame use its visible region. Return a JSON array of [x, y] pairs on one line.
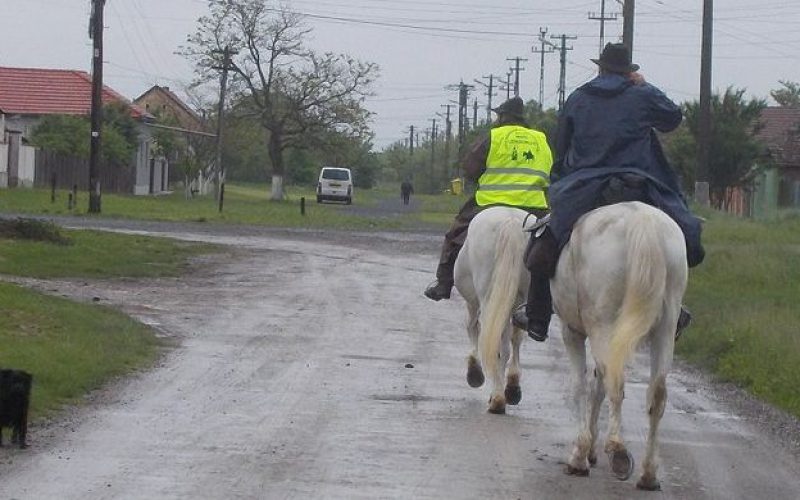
[[15, 396]]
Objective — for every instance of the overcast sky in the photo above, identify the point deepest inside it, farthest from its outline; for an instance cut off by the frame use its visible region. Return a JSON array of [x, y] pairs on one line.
[[424, 46]]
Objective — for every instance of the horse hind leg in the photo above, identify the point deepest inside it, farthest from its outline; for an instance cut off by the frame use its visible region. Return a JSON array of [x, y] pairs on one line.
[[660, 360], [475, 376], [596, 397], [620, 459], [657, 397], [513, 390], [497, 400], [575, 344]]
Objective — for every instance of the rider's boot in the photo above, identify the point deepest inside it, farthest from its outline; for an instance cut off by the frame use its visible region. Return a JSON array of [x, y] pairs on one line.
[[441, 288]]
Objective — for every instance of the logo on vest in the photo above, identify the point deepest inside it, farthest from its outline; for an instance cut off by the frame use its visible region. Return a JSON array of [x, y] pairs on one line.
[[528, 155]]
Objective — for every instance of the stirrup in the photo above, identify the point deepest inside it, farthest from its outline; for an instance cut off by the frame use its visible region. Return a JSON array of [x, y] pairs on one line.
[[537, 225]]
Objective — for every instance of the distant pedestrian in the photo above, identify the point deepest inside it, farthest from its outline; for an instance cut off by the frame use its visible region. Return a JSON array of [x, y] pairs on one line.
[[406, 188]]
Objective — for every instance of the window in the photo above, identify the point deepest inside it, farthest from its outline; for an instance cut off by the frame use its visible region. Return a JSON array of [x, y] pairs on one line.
[[336, 174]]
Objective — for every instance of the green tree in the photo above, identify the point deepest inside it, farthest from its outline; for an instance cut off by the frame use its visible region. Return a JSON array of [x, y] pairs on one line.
[[734, 147], [63, 134], [69, 135], [789, 95], [543, 120], [293, 91]]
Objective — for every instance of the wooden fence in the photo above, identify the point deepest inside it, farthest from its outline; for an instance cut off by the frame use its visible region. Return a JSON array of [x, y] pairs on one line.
[[70, 171]]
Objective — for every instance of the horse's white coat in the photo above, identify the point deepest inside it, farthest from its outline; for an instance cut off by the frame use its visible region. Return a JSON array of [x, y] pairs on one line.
[[621, 278], [491, 276]]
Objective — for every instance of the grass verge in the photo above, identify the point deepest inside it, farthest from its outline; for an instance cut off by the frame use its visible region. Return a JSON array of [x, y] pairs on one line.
[[246, 204], [91, 254], [745, 302], [73, 348], [69, 348]]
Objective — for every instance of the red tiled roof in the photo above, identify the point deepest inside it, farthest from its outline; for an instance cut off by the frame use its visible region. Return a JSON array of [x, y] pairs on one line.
[[781, 133], [32, 91]]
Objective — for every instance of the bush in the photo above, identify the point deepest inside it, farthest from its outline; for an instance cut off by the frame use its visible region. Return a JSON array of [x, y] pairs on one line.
[[33, 229]]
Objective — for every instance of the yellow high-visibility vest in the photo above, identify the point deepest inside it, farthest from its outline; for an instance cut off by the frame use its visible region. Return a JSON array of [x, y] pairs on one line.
[[517, 169]]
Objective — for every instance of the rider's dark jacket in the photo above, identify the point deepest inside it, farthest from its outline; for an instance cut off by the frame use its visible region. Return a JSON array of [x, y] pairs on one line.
[[606, 131]]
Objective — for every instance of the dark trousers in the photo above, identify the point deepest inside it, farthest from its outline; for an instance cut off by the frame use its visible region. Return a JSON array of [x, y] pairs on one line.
[[454, 240], [541, 258]]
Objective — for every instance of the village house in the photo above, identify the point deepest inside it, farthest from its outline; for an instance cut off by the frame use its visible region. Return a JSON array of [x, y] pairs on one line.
[[29, 94], [190, 132], [778, 188]]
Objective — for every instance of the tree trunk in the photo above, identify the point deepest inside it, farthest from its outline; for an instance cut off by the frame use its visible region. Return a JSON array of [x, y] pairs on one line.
[[277, 187], [187, 186], [276, 157]]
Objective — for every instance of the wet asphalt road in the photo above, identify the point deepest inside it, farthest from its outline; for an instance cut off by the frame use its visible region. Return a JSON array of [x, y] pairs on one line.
[[309, 365]]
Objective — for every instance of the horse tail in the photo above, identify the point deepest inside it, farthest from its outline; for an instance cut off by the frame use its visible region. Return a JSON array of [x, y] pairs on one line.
[[645, 286], [509, 250]]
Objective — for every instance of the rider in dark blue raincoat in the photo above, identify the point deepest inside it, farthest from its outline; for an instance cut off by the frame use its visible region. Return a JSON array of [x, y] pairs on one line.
[[607, 151]]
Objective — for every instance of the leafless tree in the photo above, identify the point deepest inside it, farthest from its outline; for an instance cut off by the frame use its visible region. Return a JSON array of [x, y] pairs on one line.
[[295, 93]]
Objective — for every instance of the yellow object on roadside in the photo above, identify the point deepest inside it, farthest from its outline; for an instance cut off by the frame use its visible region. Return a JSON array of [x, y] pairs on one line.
[[456, 186]]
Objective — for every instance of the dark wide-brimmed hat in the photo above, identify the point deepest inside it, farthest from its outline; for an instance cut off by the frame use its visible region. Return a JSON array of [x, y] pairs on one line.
[[616, 58], [513, 107]]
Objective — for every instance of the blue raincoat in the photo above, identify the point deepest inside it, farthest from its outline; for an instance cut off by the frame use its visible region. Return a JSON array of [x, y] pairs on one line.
[[606, 130]]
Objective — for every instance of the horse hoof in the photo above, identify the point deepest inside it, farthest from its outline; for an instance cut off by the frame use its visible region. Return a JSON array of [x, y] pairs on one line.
[[574, 471], [475, 376], [648, 484], [622, 464], [497, 406], [513, 394]]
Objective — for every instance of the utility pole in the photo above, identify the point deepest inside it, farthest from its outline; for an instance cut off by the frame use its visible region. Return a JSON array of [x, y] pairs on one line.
[[489, 93], [516, 69], [562, 81], [704, 123], [475, 113], [602, 18], [508, 85], [628, 9], [546, 48], [463, 118], [433, 151], [411, 142], [223, 83], [447, 134], [95, 144]]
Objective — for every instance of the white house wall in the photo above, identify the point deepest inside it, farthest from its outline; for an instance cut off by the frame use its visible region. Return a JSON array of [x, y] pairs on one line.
[[27, 166], [3, 165], [142, 163]]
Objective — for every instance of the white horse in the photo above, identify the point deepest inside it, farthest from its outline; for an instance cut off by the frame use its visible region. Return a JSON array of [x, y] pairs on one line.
[[620, 279], [491, 276]]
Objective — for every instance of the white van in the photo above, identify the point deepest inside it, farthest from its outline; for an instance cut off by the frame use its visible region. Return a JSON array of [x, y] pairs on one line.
[[335, 183]]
